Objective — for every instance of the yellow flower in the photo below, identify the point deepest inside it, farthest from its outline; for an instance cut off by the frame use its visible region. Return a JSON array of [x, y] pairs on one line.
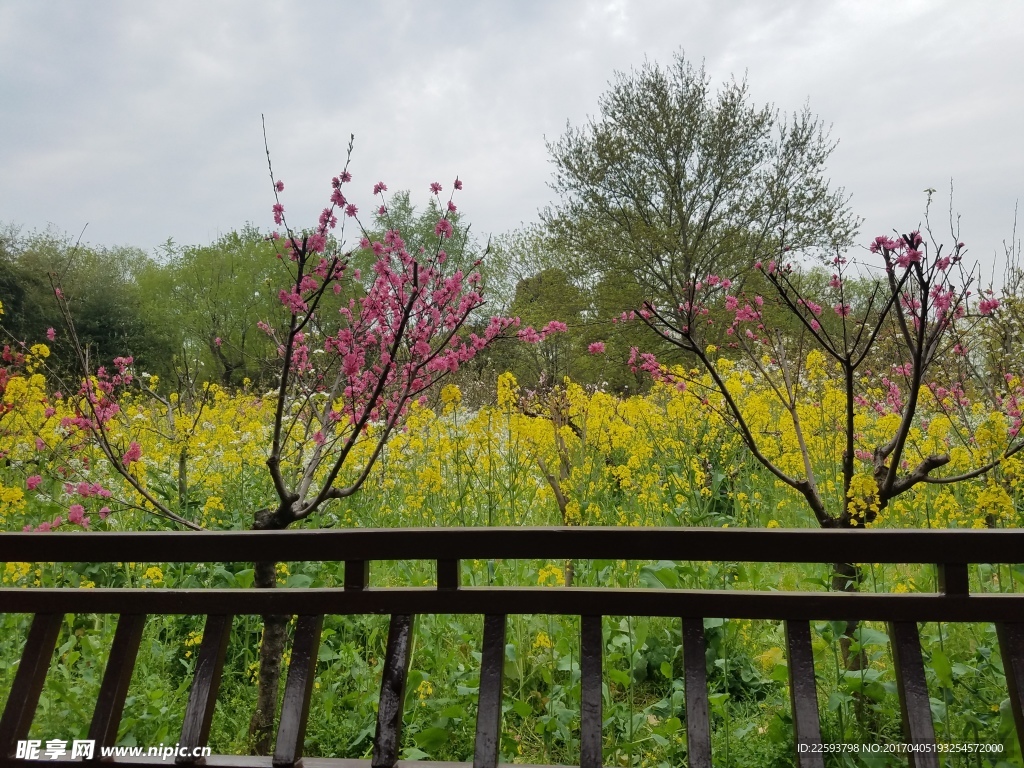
[[551, 575], [423, 691], [451, 395], [194, 638]]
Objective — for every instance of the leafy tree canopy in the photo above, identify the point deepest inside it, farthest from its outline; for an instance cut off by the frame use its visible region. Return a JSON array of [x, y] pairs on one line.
[[673, 179]]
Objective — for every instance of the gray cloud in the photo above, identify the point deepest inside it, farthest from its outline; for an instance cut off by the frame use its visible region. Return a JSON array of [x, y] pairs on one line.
[[144, 119]]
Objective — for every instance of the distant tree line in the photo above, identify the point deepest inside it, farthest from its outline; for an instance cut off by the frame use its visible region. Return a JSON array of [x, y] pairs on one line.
[[671, 179]]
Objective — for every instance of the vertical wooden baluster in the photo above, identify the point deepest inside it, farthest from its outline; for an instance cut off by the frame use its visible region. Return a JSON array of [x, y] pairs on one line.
[[698, 721], [913, 690], [28, 681], [1011, 647], [357, 574], [953, 579], [591, 642], [106, 718], [195, 731], [448, 574], [492, 673], [803, 693], [388, 739], [291, 731]]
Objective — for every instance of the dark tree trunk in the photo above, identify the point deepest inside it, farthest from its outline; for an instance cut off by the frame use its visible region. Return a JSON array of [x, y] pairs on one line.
[[275, 635], [847, 577]]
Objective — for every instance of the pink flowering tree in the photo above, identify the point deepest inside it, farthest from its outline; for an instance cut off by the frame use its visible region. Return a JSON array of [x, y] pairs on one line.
[[898, 347], [354, 351], [348, 373], [920, 314], [68, 425]]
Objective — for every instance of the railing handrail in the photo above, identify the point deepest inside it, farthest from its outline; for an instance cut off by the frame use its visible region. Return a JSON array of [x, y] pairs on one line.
[[776, 545], [951, 551], [589, 601]]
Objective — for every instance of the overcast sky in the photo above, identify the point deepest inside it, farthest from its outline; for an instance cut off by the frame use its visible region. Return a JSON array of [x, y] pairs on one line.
[[143, 119]]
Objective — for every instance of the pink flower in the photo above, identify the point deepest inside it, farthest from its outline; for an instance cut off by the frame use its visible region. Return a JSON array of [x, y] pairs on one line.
[[317, 242], [293, 301], [842, 309], [134, 453], [451, 206], [883, 243], [279, 186], [555, 326], [33, 482], [987, 306], [815, 308], [458, 183], [529, 335], [51, 334], [351, 210], [597, 348], [217, 342], [278, 210], [379, 187], [104, 511], [444, 228], [435, 187]]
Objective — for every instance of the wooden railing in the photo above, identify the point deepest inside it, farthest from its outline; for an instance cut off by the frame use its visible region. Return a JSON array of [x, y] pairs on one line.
[[950, 551]]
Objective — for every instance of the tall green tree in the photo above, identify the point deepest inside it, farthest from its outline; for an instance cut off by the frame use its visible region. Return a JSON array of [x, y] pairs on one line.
[[673, 179], [208, 299], [548, 295], [102, 287]]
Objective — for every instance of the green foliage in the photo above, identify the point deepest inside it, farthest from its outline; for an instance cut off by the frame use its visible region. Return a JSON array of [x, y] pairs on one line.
[[643, 696], [207, 301], [546, 296], [672, 180], [104, 295]]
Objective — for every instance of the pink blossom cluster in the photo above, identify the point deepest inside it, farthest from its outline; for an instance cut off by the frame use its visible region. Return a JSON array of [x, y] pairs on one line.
[[76, 516], [134, 453], [988, 306], [647, 362], [87, 490], [532, 336], [407, 331]]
